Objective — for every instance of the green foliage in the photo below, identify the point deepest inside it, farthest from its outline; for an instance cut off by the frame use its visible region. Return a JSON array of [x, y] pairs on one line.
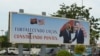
[[1, 39], [4, 41], [63, 53], [73, 11], [94, 30], [79, 49]]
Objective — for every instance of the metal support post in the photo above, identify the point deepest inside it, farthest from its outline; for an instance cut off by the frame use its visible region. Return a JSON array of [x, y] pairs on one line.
[[43, 47], [30, 44], [20, 46]]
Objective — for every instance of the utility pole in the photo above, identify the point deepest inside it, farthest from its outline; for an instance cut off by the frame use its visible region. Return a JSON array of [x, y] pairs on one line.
[[20, 46], [30, 44], [43, 46]]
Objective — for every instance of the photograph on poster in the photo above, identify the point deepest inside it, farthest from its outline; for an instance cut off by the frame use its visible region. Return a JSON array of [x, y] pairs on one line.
[[47, 30]]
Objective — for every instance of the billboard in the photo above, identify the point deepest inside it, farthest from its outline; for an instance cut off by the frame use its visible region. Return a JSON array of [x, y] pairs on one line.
[[47, 30]]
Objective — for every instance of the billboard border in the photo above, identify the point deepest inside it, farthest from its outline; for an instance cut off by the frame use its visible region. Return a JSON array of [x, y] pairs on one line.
[[10, 22]]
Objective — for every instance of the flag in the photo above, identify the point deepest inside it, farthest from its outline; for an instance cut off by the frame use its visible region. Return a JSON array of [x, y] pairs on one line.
[[33, 21], [41, 21], [70, 22]]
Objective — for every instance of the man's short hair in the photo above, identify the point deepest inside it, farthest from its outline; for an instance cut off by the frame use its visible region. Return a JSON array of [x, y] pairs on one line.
[[76, 22]]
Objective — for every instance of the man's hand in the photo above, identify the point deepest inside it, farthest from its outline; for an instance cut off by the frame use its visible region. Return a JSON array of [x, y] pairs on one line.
[[70, 41]]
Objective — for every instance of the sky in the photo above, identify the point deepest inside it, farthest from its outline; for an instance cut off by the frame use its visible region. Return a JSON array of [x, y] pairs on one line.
[[39, 6]]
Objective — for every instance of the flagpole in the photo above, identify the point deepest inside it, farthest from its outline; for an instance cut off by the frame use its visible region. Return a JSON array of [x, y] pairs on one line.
[[82, 11], [82, 2], [82, 7]]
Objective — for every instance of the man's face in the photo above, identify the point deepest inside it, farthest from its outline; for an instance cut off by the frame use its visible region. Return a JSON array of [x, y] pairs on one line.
[[75, 28], [78, 25], [67, 26]]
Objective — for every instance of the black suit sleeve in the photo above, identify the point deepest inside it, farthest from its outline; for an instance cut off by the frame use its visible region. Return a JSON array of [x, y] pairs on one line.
[[61, 33]]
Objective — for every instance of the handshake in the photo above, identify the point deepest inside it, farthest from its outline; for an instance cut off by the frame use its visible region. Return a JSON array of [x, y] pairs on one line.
[[70, 41]]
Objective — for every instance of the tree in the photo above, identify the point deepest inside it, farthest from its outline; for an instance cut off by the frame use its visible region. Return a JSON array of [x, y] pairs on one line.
[[4, 41], [73, 11], [63, 53], [94, 30], [1, 40], [79, 49]]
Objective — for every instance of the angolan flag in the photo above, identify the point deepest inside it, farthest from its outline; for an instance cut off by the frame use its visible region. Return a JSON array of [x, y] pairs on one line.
[[37, 21]]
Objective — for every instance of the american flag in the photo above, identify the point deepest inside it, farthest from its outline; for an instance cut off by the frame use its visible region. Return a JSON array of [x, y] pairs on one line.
[[41, 21]]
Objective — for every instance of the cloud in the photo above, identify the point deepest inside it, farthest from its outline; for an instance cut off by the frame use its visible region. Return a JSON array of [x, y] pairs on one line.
[[37, 6]]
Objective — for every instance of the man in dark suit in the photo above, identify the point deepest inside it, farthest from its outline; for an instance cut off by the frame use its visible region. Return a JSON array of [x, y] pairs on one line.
[[79, 35], [66, 34]]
